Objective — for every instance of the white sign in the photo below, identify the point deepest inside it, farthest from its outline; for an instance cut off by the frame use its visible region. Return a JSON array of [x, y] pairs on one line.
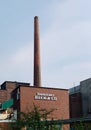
[[45, 96]]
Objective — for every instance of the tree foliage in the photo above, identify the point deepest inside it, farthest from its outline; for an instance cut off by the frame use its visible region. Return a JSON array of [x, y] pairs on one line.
[[34, 120]]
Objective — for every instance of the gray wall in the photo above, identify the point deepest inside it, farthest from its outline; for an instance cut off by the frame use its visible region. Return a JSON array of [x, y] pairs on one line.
[[86, 96]]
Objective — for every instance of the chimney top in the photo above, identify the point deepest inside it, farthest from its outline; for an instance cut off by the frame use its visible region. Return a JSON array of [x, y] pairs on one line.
[[36, 17]]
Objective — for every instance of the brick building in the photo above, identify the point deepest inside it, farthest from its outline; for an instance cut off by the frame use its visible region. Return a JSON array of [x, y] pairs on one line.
[[47, 98], [24, 95], [55, 99], [7, 87], [77, 101]]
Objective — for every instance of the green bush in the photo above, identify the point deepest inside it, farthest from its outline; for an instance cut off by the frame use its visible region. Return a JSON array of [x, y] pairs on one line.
[[34, 120]]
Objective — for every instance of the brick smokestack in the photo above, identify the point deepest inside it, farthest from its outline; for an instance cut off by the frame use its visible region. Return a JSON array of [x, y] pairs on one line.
[[37, 71]]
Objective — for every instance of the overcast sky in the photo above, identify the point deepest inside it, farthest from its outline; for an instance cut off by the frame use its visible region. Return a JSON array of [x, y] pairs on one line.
[[65, 39]]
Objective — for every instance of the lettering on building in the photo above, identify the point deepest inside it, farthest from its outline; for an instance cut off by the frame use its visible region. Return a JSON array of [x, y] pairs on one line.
[[45, 96]]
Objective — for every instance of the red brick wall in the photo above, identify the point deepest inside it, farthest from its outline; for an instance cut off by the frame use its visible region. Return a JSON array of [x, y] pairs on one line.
[[61, 105], [4, 126], [3, 95], [7, 87], [10, 87]]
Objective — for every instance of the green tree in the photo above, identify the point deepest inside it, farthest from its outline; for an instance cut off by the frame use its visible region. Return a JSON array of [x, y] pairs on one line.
[[34, 120]]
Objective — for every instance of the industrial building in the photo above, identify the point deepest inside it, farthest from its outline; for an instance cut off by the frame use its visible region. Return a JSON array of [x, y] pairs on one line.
[[24, 95], [80, 99], [46, 98], [66, 104]]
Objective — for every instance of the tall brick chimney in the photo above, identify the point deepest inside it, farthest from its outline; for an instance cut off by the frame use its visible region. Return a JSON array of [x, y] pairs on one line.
[[37, 71]]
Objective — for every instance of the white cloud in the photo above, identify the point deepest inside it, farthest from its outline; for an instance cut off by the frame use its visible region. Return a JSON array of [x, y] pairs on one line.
[[23, 54], [19, 66], [65, 41], [69, 75], [68, 43]]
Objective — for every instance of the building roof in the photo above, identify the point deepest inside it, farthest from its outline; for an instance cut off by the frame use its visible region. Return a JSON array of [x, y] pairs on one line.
[[40, 88]]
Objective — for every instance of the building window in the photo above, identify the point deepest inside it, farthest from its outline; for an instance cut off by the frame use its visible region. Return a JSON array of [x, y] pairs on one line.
[[18, 94]]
